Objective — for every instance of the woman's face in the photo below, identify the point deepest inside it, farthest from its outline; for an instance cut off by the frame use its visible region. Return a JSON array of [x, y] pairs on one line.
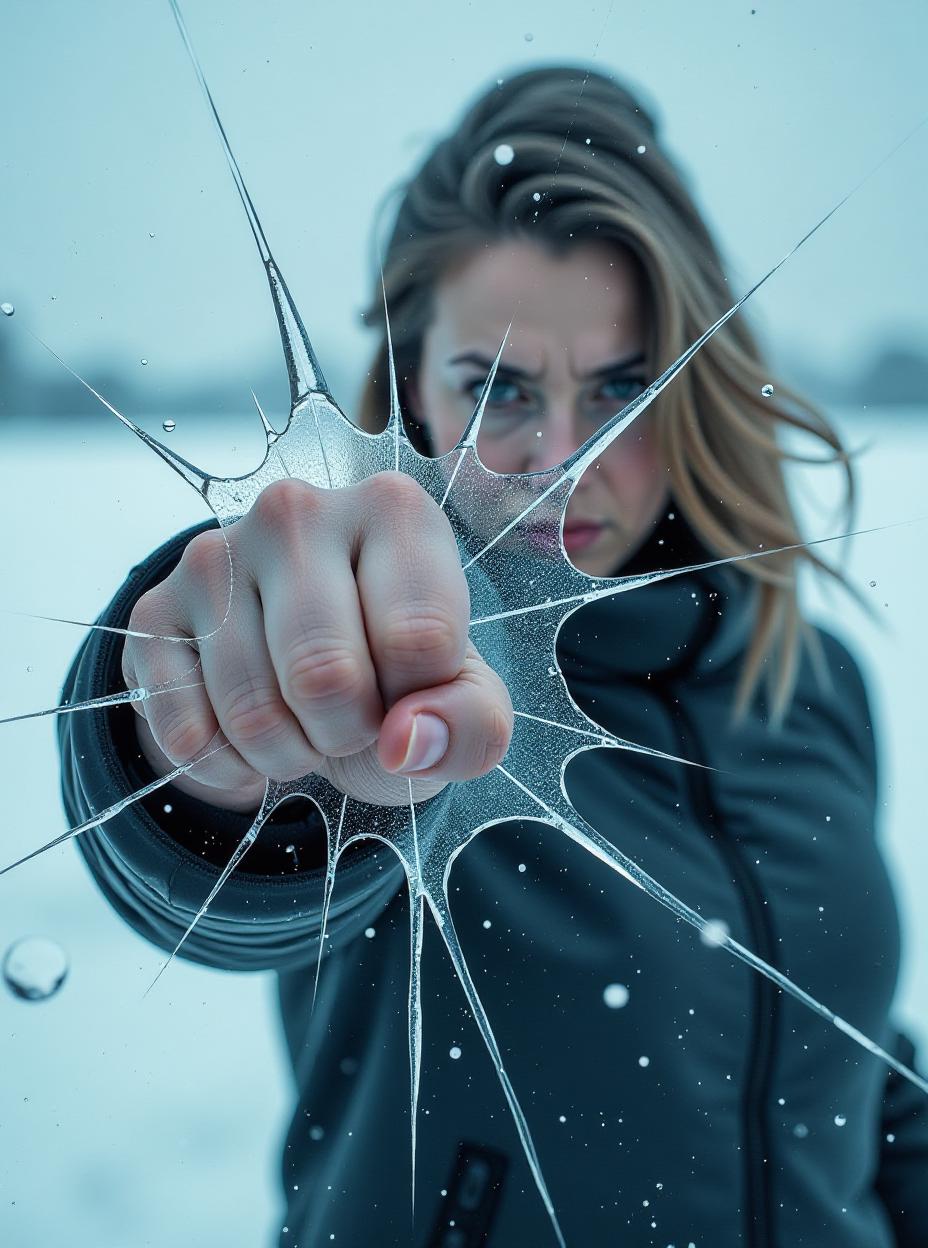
[[574, 357]]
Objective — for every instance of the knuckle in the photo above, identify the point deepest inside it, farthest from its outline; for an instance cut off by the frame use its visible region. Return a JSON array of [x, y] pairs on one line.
[[285, 505], [146, 612], [205, 558], [395, 492], [183, 736], [323, 674], [427, 634], [254, 716]]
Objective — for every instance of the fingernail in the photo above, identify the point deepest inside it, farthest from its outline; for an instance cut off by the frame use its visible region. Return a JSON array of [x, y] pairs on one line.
[[428, 743]]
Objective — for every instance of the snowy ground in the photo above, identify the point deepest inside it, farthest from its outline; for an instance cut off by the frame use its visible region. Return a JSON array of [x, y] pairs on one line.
[[126, 1122]]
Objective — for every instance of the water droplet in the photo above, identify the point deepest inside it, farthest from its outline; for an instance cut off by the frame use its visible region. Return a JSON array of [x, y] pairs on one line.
[[34, 968], [561, 1118], [873, 584], [714, 934], [538, 433], [890, 1138], [615, 996], [840, 1120], [487, 924], [641, 149], [588, 142], [800, 1130], [781, 1100], [150, 234], [168, 425], [521, 866], [529, 36], [454, 1052], [503, 154], [7, 309], [168, 808], [370, 933], [644, 1061], [767, 391], [143, 361], [536, 195], [316, 1133]]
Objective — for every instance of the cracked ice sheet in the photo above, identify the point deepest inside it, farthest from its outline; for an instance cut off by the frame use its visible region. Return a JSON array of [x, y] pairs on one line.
[[206, 461]]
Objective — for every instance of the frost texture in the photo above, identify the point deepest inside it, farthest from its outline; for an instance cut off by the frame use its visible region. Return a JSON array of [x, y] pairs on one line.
[[522, 588]]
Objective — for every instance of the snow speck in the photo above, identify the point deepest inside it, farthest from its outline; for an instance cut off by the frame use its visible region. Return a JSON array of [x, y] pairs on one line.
[[714, 934], [615, 996]]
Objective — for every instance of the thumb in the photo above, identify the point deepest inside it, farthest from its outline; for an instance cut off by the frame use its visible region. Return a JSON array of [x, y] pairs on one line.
[[455, 731]]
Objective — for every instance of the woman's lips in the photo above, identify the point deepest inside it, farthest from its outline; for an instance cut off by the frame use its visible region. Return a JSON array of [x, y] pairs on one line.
[[579, 536], [576, 536]]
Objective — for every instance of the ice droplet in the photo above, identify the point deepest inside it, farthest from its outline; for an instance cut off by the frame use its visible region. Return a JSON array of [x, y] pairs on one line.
[[714, 934], [454, 1052], [615, 996], [143, 361], [503, 154], [168, 425], [168, 808], [7, 309], [522, 866], [644, 1061], [800, 1130], [536, 195], [840, 1120], [487, 924], [767, 391], [369, 933], [34, 968], [641, 149]]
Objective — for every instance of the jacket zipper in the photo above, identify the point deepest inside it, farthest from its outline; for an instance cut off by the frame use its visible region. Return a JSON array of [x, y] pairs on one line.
[[755, 1126]]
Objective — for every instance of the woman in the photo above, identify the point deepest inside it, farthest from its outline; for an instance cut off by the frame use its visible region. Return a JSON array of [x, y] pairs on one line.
[[674, 1098]]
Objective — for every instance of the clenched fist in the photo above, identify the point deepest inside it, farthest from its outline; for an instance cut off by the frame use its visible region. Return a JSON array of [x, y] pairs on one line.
[[345, 651]]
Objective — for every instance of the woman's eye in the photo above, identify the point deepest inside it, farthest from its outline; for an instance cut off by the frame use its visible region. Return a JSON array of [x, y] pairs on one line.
[[502, 392], [620, 389]]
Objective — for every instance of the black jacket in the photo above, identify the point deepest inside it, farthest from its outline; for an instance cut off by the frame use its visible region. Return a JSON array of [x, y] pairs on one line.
[[709, 1110]]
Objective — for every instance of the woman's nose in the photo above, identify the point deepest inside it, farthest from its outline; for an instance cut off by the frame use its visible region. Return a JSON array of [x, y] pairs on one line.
[[555, 439]]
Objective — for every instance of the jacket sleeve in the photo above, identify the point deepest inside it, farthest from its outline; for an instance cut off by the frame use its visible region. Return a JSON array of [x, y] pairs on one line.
[[902, 1178], [156, 861]]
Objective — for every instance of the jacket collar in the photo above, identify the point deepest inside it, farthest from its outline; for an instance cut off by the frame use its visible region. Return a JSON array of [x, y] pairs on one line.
[[692, 623]]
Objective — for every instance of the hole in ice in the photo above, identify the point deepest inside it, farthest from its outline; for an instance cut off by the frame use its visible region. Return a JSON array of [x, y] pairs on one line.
[[34, 968]]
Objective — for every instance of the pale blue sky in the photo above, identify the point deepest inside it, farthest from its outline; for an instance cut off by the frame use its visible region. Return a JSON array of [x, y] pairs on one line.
[[107, 141]]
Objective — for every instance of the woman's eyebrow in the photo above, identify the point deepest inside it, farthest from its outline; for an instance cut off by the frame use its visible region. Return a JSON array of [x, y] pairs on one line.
[[617, 366], [486, 363]]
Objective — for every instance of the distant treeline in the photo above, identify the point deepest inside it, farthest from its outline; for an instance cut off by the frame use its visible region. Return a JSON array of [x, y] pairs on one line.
[[893, 374]]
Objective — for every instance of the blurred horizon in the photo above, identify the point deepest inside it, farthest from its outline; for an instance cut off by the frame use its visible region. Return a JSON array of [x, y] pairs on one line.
[[123, 239]]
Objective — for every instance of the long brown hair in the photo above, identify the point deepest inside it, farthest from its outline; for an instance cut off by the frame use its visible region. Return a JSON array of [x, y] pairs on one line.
[[588, 166]]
